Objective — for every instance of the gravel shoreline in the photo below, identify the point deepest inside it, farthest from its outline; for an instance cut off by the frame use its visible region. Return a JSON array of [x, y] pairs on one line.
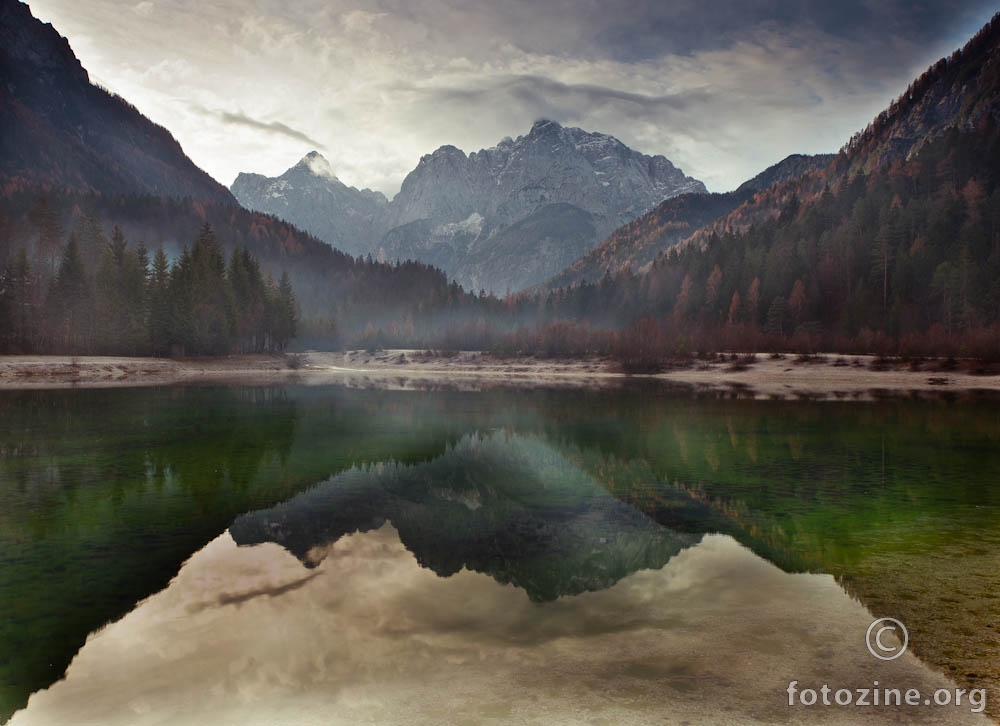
[[765, 376]]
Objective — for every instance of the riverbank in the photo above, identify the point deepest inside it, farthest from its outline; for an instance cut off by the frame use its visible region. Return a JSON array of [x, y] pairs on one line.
[[762, 376]]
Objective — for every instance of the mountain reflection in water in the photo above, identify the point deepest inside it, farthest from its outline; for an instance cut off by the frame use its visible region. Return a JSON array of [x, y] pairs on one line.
[[507, 506], [377, 608], [246, 635], [544, 505]]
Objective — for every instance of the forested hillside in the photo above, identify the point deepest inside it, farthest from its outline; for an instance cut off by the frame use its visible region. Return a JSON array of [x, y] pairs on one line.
[[893, 248], [340, 297], [79, 163], [636, 244], [127, 301]]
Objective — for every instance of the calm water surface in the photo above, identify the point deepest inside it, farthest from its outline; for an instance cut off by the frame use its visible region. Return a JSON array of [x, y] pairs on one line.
[[338, 556]]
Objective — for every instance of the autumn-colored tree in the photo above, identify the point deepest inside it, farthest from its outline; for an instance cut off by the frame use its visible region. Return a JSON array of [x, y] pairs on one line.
[[797, 301], [712, 286], [735, 308], [753, 300], [683, 298]]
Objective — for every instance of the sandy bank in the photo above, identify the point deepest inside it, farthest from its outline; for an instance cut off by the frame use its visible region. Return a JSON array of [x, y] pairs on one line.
[[764, 377]]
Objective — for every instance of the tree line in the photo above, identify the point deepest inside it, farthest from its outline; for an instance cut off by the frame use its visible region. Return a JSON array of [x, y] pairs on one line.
[[902, 260], [96, 294]]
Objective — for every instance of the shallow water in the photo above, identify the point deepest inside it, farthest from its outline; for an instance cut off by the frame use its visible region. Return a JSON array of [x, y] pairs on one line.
[[329, 555]]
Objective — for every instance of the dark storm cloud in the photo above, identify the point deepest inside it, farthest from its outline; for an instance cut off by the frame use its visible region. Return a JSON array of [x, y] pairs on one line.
[[635, 30]]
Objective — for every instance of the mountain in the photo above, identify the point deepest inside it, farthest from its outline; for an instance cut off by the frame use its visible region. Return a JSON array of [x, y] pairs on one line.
[[60, 130], [892, 248], [638, 243], [317, 201], [481, 506], [502, 218], [551, 164], [957, 95], [75, 162], [789, 168], [959, 92]]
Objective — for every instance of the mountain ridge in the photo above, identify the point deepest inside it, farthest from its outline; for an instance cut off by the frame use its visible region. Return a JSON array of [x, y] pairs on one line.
[[317, 186], [890, 249], [960, 92], [637, 244], [453, 207]]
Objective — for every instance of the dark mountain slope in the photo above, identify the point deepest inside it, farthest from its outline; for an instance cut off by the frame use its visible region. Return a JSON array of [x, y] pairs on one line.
[[639, 242], [959, 93], [61, 131]]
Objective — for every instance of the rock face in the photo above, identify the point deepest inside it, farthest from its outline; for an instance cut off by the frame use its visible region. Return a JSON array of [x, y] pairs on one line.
[[958, 92], [61, 131], [502, 218], [317, 201], [791, 167]]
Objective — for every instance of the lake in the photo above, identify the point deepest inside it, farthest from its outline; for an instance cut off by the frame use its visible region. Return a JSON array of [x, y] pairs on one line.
[[640, 554]]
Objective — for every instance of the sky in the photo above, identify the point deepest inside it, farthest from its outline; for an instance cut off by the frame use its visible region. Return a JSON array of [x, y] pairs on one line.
[[723, 88]]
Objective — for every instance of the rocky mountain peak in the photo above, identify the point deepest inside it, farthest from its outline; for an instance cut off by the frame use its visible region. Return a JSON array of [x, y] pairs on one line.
[[544, 126], [510, 215], [316, 164], [27, 40], [446, 154], [311, 196]]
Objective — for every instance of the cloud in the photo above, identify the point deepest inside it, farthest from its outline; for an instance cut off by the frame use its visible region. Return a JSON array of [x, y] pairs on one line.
[[266, 591], [723, 88], [272, 127], [376, 638], [538, 91]]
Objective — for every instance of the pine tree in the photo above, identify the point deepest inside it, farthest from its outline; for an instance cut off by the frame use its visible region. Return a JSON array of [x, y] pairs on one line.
[[249, 300], [49, 232], [182, 314], [90, 236], [70, 302], [212, 314], [117, 245], [159, 316], [24, 302], [288, 315]]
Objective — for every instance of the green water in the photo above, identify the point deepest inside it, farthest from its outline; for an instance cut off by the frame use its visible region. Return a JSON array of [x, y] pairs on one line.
[[104, 494]]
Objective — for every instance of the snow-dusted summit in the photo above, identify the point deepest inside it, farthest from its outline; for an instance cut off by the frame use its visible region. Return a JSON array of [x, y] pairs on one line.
[[502, 218], [311, 196]]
